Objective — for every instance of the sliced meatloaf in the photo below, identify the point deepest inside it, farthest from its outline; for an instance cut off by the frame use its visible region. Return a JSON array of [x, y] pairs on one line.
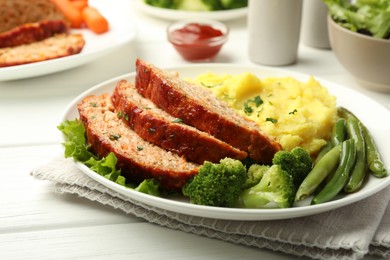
[[58, 46], [197, 107], [14, 13], [166, 131], [32, 32], [137, 158]]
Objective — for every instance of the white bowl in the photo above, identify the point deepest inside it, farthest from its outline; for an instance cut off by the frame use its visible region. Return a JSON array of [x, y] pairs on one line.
[[366, 58]]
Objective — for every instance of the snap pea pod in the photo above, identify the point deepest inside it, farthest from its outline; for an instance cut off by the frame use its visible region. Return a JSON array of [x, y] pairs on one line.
[[359, 171], [319, 172], [338, 132], [341, 176], [374, 161]]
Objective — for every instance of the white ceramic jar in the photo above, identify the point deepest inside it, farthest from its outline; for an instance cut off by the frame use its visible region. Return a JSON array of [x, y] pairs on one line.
[[314, 30], [274, 29]]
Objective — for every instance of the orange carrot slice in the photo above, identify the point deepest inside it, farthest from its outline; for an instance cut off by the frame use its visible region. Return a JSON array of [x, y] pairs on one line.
[[94, 20], [71, 13], [79, 4]]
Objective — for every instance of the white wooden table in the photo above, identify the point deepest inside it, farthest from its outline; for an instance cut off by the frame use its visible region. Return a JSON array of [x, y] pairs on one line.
[[36, 223]]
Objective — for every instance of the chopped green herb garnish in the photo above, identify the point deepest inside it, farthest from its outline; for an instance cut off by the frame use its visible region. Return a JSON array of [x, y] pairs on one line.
[[210, 86], [140, 148], [177, 120], [293, 112], [123, 115], [114, 137], [152, 130], [270, 119], [256, 100], [247, 109]]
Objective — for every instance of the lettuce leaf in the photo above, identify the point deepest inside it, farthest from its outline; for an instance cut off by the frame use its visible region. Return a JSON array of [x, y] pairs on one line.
[[369, 16], [149, 186], [76, 147], [75, 142]]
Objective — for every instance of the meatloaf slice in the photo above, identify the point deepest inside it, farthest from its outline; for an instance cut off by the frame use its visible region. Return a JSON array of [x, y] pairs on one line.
[[32, 32], [198, 107], [166, 131], [138, 159], [57, 46], [14, 13]]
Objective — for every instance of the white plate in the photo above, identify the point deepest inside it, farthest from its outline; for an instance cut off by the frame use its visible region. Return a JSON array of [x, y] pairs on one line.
[[374, 120], [120, 33], [169, 14]]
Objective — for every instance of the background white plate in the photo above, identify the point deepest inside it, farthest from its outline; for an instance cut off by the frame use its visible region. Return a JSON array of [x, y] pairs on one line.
[[96, 46], [371, 113], [172, 15]]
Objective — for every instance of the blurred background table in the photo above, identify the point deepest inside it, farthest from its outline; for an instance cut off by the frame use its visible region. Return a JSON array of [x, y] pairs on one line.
[[36, 223]]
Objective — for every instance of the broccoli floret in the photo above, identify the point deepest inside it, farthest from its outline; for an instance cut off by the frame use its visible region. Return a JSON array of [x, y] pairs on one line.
[[232, 4], [296, 162], [217, 184], [275, 190], [254, 175], [199, 5], [170, 4]]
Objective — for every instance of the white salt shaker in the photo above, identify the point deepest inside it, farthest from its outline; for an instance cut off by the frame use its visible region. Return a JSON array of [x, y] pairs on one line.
[[274, 29], [314, 30]]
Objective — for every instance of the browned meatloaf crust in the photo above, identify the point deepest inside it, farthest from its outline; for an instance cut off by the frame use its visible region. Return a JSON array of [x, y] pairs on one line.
[[138, 159], [14, 13], [166, 131], [197, 107], [31, 32], [60, 45]]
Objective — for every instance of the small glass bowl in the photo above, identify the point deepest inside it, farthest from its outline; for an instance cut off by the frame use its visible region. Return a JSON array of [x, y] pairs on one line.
[[197, 40]]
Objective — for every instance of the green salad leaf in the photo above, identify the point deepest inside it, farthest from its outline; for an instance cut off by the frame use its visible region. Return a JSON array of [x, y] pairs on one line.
[[198, 5], [371, 17], [149, 186], [75, 143], [76, 147]]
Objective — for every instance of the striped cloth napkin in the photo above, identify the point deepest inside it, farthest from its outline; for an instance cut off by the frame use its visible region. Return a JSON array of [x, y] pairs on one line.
[[349, 232]]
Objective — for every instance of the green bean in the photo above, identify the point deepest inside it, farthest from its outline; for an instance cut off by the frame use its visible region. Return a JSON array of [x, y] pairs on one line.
[[374, 161], [326, 148], [359, 171], [338, 136], [319, 172], [340, 177], [338, 132], [345, 113]]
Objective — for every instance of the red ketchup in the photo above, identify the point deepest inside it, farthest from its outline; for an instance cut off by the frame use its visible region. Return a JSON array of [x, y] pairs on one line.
[[197, 41]]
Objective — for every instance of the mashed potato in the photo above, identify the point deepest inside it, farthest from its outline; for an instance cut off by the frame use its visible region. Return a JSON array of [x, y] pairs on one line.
[[295, 113]]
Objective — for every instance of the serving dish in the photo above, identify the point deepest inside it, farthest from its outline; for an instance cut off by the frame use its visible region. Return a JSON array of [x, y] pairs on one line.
[[197, 39], [120, 33], [345, 97], [172, 15], [365, 57]]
